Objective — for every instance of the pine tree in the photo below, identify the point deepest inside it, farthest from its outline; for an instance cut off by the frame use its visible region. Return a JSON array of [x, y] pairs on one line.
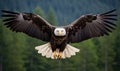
[[106, 52], [51, 17], [11, 52], [38, 10], [87, 57], [116, 64]]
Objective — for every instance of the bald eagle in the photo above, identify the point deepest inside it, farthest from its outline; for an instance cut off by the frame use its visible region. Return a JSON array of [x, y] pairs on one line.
[[59, 37]]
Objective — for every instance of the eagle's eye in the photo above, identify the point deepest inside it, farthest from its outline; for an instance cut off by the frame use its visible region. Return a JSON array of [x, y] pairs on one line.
[[61, 30], [57, 30]]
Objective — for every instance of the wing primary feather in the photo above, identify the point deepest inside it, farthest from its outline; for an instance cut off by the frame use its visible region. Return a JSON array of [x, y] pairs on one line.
[[7, 23], [8, 15], [108, 29], [9, 19], [98, 29], [102, 29], [11, 24], [111, 15], [110, 23], [109, 26], [111, 19], [109, 12], [4, 11], [15, 27], [95, 29]]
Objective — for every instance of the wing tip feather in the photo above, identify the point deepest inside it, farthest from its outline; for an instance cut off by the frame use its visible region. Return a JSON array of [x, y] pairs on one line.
[[9, 12], [111, 11]]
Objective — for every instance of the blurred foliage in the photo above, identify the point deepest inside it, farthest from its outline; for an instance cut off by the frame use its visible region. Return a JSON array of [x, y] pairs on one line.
[[17, 51]]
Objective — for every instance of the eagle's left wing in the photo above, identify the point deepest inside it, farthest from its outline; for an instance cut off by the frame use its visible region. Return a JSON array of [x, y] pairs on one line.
[[28, 23], [89, 26]]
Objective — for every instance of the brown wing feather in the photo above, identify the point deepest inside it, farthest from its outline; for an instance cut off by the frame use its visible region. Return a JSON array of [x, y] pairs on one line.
[[33, 25], [89, 26]]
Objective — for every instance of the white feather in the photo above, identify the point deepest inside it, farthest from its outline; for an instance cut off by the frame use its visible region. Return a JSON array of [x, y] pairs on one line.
[[52, 56], [46, 50], [73, 48], [63, 56], [42, 50], [69, 51], [49, 53], [41, 46], [64, 53]]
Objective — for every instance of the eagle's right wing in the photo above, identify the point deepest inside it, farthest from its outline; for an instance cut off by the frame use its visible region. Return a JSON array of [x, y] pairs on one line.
[[89, 26], [28, 23]]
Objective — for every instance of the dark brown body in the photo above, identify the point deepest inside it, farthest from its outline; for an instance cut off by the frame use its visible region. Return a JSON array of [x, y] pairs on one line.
[[58, 42]]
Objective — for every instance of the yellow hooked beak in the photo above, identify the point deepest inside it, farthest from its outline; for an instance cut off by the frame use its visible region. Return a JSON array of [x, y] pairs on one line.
[[59, 33]]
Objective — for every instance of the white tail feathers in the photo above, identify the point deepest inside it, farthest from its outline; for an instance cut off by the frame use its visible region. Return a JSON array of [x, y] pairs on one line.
[[69, 51], [46, 50]]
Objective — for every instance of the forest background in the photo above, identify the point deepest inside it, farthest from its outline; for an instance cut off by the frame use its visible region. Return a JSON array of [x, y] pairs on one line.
[[17, 52]]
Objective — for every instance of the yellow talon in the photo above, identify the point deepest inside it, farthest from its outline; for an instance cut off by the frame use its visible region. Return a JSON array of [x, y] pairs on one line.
[[55, 55], [60, 55]]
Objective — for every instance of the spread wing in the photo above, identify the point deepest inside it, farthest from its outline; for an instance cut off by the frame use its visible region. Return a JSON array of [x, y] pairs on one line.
[[28, 23], [89, 26]]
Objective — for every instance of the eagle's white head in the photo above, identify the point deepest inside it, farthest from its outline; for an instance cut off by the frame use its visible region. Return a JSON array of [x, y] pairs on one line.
[[59, 31]]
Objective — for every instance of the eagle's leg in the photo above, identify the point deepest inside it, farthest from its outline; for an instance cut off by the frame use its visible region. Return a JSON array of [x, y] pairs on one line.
[[60, 55], [55, 55]]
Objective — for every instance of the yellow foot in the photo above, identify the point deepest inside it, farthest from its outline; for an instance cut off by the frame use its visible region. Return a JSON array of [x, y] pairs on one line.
[[55, 55], [60, 55]]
